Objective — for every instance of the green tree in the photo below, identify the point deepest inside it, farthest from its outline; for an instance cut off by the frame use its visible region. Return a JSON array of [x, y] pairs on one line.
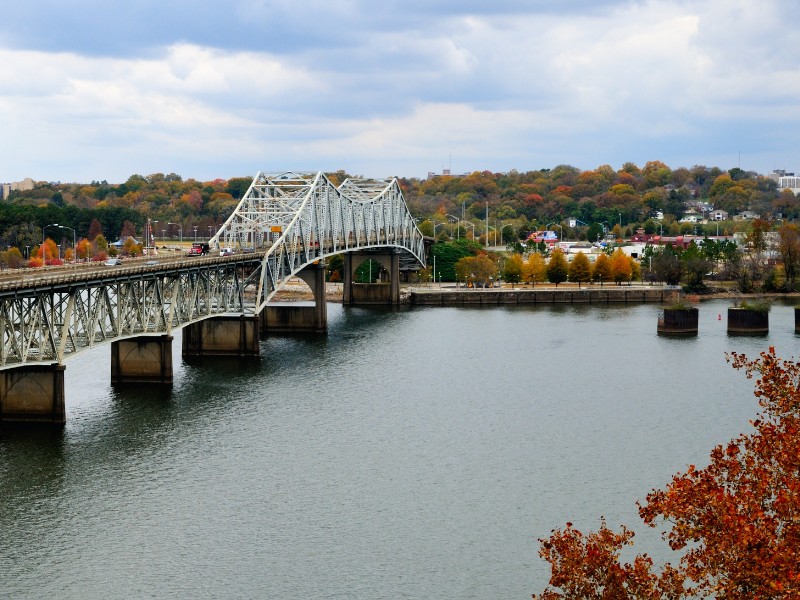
[[426, 228], [446, 255], [595, 232], [667, 266], [367, 272], [789, 251], [580, 269], [557, 269], [696, 265]]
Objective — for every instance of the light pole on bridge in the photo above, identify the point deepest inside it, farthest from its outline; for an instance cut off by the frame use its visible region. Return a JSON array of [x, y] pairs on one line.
[[74, 249]]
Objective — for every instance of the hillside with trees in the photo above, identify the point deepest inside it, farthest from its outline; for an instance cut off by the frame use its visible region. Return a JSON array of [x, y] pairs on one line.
[[654, 198]]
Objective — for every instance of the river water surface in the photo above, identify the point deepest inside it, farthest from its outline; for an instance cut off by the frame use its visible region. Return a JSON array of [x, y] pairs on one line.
[[407, 454]]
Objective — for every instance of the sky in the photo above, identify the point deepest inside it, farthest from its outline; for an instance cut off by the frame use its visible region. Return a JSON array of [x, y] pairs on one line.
[[104, 89]]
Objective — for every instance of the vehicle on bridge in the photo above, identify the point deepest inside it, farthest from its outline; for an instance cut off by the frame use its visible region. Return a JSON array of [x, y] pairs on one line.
[[199, 249], [226, 252], [113, 262]]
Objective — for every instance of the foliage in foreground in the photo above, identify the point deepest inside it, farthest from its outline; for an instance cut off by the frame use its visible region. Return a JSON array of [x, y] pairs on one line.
[[735, 524]]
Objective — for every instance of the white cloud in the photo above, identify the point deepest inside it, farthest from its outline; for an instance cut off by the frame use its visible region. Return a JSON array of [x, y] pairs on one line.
[[504, 88]]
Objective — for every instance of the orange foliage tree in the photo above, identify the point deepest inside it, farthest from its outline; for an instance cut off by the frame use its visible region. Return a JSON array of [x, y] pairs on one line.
[[734, 523]]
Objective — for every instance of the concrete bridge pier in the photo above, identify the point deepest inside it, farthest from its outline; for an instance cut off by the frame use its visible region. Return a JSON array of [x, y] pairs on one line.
[[222, 336], [33, 393], [371, 293], [143, 359], [300, 317]]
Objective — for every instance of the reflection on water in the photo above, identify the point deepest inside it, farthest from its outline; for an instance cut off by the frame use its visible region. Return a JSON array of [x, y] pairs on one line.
[[417, 453]]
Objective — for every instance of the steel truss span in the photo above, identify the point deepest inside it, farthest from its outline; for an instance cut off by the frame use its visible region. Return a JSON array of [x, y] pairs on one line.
[[296, 219], [289, 220], [48, 325]]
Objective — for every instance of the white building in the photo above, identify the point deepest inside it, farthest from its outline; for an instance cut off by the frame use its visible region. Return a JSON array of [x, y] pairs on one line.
[[786, 181]]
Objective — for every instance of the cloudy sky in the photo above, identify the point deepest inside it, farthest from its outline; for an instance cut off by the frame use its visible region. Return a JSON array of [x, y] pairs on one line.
[[102, 89]]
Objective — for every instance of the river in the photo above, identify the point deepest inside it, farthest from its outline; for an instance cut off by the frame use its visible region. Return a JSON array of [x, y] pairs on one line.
[[416, 453]]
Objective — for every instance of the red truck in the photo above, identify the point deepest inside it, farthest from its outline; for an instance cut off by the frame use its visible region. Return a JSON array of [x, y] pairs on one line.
[[198, 249]]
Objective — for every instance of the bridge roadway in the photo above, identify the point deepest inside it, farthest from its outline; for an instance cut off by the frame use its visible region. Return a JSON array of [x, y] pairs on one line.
[[17, 281]]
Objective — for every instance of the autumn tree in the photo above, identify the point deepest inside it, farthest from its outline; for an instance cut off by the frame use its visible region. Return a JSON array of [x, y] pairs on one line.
[[602, 268], [476, 269], [100, 246], [620, 265], [95, 229], [535, 269], [512, 269], [128, 230], [580, 269], [131, 248], [12, 258], [48, 252], [735, 524], [84, 249], [557, 268]]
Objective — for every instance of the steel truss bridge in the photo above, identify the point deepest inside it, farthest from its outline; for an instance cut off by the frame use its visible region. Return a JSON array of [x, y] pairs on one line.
[[285, 222]]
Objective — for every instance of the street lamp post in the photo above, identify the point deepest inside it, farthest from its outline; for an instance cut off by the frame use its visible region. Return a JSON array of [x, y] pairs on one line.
[[560, 227], [74, 249], [195, 233], [471, 225], [457, 221]]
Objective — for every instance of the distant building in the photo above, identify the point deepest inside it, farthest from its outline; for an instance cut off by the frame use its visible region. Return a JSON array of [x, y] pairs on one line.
[[718, 215], [7, 188], [786, 181], [746, 215]]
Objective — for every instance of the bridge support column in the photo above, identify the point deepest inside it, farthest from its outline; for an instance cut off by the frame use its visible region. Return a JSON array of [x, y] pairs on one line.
[[300, 317], [222, 336], [33, 393], [145, 359], [371, 293]]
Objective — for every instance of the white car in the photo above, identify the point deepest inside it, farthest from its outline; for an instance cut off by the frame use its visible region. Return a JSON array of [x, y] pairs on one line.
[[113, 262], [226, 252]]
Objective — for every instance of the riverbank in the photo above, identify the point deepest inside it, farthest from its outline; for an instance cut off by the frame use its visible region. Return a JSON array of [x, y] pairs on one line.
[[544, 293]]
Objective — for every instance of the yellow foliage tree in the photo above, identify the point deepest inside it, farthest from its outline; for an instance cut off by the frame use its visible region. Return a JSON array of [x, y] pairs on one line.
[[602, 269], [580, 269], [534, 270], [620, 266]]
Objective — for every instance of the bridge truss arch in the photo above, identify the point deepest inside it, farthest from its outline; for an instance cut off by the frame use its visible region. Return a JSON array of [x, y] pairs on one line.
[[298, 219]]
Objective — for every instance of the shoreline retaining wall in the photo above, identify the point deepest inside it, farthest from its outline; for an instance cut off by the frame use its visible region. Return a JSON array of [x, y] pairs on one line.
[[493, 297]]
